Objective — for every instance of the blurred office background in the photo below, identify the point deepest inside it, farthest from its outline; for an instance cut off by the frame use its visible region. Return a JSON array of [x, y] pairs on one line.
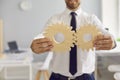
[[22, 22]]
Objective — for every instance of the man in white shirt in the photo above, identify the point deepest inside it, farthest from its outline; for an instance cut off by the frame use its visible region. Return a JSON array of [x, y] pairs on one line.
[[85, 59]]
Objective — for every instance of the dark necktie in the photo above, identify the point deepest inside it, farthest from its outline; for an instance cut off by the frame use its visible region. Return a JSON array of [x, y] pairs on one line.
[[73, 52]]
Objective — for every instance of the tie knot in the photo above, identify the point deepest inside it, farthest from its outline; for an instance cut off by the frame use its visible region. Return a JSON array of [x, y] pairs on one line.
[[73, 13]]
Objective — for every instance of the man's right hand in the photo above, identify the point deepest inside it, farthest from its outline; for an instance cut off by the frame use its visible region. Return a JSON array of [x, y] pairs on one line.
[[41, 45]]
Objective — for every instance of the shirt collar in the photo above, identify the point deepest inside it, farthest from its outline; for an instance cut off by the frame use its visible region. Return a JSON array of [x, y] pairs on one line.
[[78, 11]]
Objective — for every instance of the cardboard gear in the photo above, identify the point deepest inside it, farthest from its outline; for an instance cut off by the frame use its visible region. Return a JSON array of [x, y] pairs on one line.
[[80, 33], [65, 45]]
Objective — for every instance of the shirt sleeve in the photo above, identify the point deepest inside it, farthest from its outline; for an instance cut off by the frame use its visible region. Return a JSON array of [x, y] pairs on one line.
[[102, 28], [49, 22], [99, 24]]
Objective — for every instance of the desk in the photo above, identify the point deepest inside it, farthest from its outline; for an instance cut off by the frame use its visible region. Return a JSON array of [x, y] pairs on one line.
[[17, 60], [113, 52], [104, 58]]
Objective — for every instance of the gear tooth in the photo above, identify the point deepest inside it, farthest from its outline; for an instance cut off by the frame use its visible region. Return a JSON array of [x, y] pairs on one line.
[[72, 46], [87, 50], [92, 49], [74, 34], [83, 49], [70, 27], [69, 49], [44, 32], [47, 28], [89, 25], [85, 25], [77, 30], [59, 22], [62, 23], [74, 38], [78, 46], [74, 41]]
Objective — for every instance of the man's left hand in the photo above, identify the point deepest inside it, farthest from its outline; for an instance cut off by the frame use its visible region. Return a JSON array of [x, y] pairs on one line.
[[103, 42]]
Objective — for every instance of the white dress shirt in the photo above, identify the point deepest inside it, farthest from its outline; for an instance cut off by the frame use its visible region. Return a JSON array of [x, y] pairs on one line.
[[85, 60]]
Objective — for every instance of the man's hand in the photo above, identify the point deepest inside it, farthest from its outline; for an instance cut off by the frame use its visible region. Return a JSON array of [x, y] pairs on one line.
[[103, 42], [41, 45]]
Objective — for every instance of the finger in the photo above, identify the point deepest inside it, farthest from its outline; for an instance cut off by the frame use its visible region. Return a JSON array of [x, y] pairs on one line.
[[107, 37], [102, 42], [100, 36], [46, 44], [40, 50], [41, 40], [50, 43], [36, 46], [49, 48], [103, 48], [104, 45]]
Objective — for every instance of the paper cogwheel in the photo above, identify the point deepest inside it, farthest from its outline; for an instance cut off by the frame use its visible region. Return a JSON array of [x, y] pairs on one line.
[[86, 32], [67, 43]]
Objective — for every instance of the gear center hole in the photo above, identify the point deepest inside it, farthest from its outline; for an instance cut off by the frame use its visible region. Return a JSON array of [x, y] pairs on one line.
[[59, 37], [87, 37]]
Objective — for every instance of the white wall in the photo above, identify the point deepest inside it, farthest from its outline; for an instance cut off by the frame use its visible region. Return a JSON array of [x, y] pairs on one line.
[[110, 15], [22, 26], [92, 7]]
